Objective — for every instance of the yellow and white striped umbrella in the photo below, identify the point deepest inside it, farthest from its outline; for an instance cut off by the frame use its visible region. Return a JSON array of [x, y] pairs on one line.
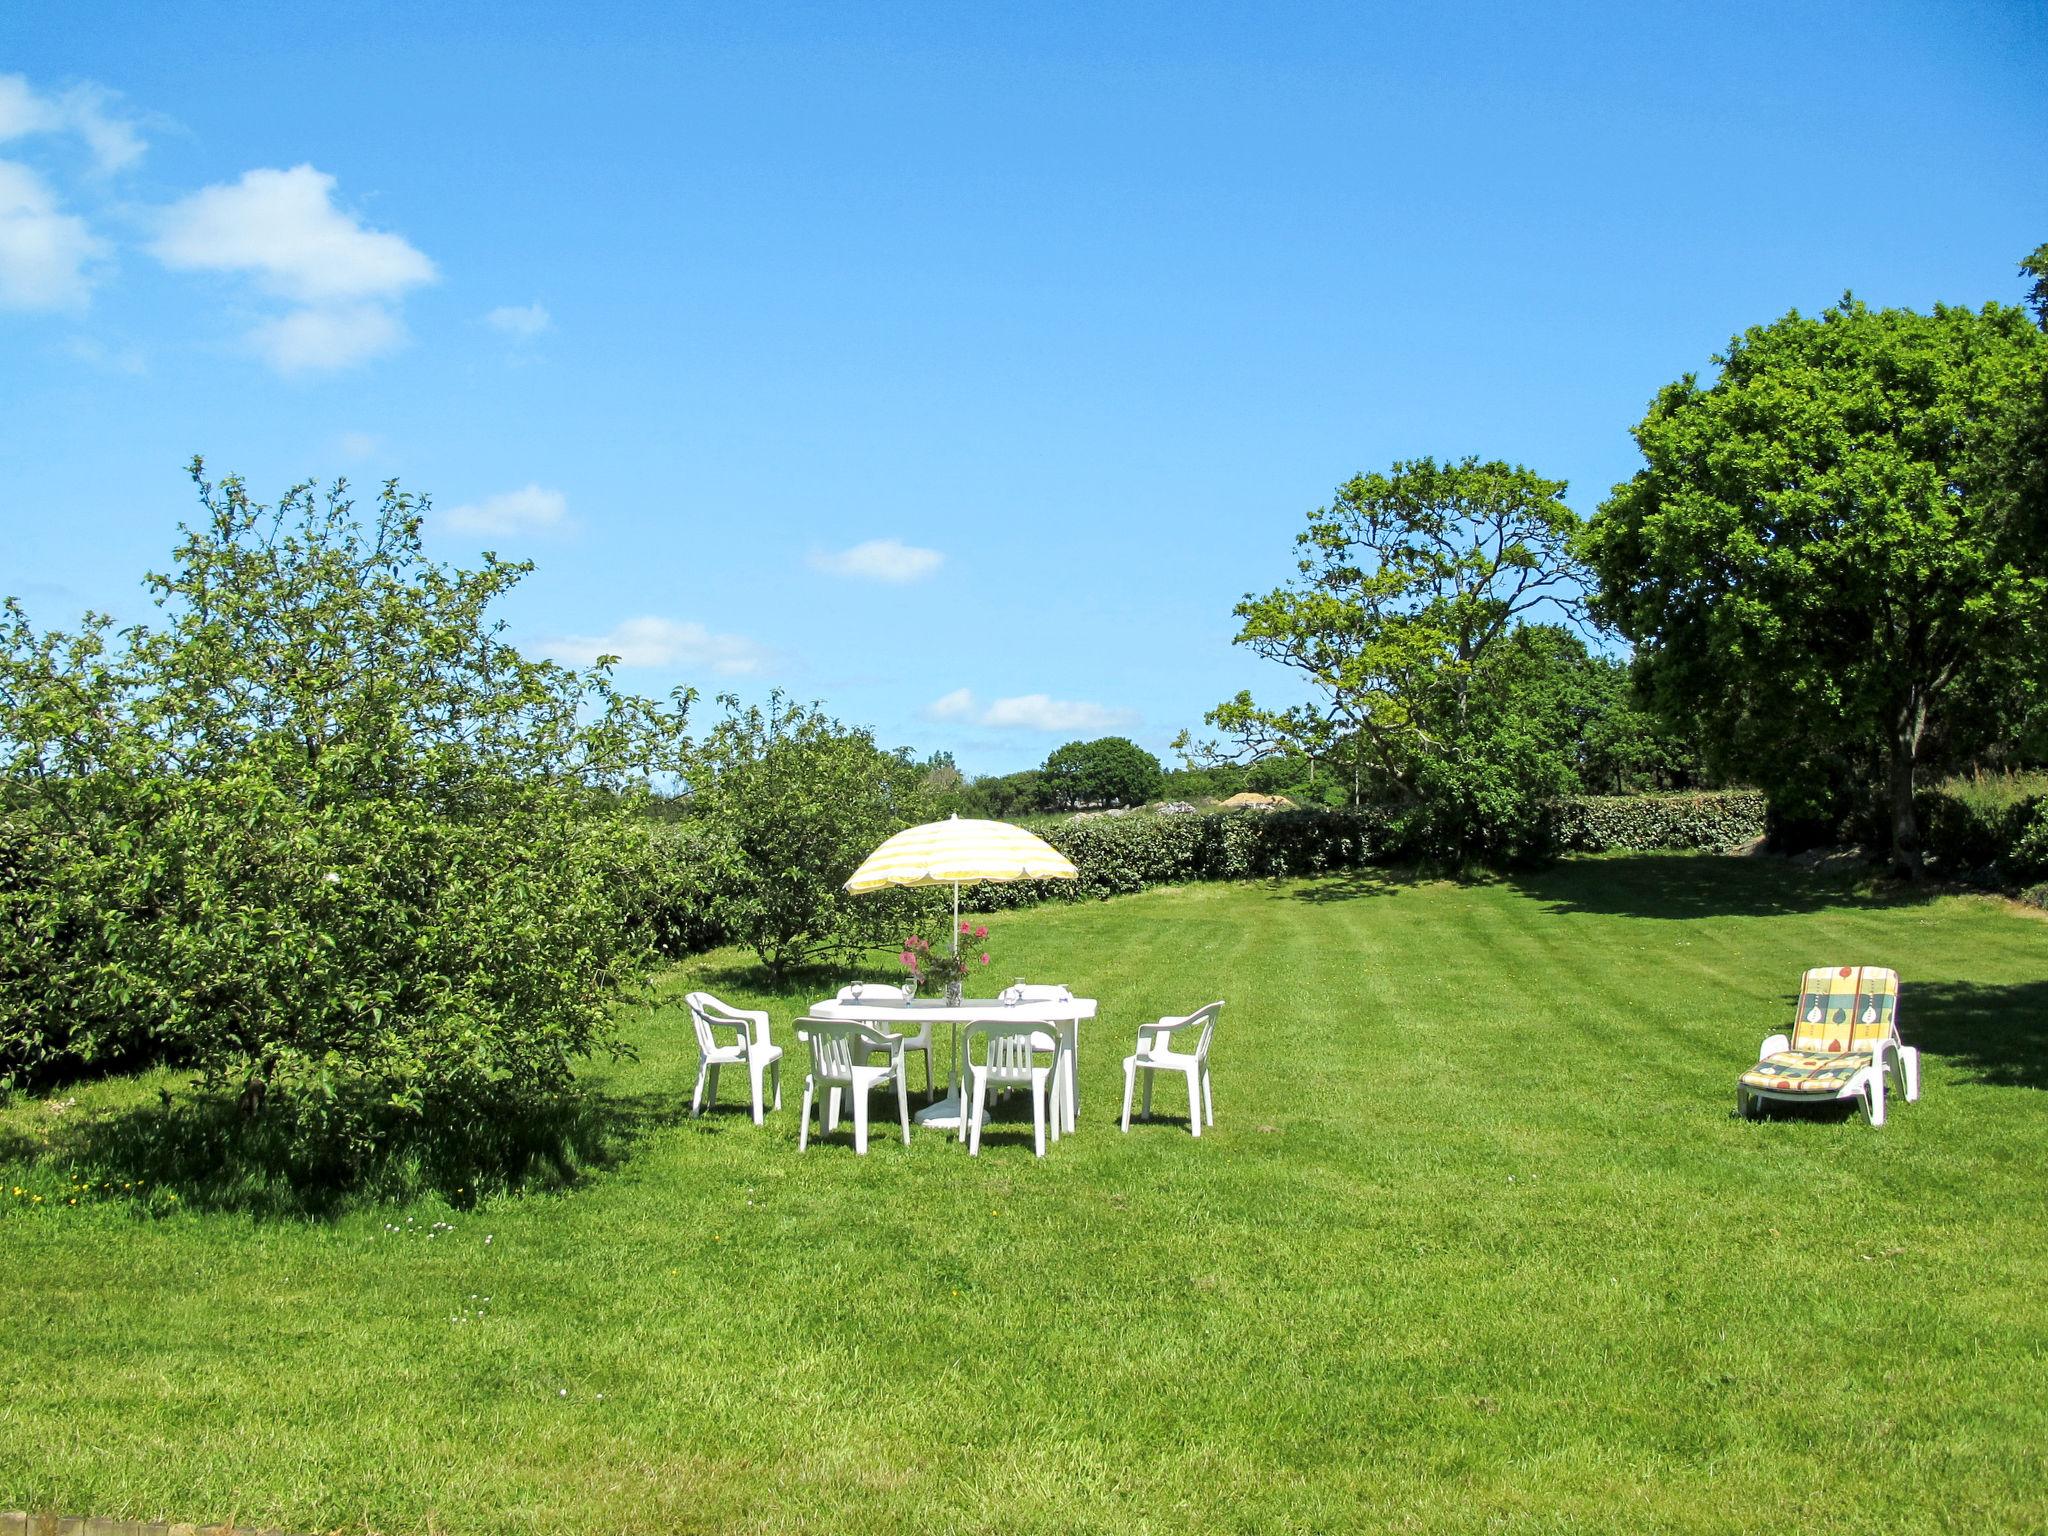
[[956, 853]]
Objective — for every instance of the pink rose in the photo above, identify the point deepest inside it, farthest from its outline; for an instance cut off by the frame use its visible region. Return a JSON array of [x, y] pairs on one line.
[[981, 933], [984, 959], [907, 958]]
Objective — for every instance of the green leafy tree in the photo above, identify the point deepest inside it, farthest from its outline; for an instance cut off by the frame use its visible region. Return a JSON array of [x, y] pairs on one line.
[[1212, 781], [786, 802], [1825, 563], [1411, 588], [2036, 267], [322, 833], [996, 796], [1111, 770]]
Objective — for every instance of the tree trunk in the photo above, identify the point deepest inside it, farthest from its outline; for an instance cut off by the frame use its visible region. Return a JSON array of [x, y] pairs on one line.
[[1905, 819]]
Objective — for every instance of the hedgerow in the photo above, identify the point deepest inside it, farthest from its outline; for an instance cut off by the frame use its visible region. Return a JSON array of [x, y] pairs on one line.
[[1117, 855], [1980, 838], [1644, 823]]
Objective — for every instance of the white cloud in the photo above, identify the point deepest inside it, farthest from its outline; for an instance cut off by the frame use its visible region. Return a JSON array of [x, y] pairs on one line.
[[360, 445], [43, 250], [83, 110], [655, 642], [282, 230], [525, 321], [957, 705], [1029, 712], [887, 560], [530, 509], [318, 339]]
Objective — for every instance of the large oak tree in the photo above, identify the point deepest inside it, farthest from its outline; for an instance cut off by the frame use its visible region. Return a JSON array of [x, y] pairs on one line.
[[1828, 564]]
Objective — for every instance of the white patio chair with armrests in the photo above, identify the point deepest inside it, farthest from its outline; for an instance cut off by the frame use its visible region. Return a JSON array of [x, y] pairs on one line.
[[1068, 1036], [1010, 1059], [884, 992], [1155, 1053], [840, 1062], [754, 1050]]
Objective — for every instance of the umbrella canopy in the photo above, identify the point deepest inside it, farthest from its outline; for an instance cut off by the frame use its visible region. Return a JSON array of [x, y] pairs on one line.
[[956, 853]]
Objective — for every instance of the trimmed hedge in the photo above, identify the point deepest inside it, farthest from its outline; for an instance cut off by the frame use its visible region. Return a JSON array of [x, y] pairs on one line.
[[1972, 839], [1609, 823], [1117, 855]]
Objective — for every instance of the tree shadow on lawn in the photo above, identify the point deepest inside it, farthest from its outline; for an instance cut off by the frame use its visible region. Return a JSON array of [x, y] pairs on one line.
[[204, 1154], [799, 986], [1686, 885], [1351, 885], [1996, 1032]]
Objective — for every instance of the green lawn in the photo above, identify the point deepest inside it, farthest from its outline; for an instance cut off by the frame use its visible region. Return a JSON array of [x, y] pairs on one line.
[[1476, 1244]]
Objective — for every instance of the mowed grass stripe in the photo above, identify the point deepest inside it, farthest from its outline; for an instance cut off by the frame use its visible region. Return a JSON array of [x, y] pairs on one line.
[[1476, 1242]]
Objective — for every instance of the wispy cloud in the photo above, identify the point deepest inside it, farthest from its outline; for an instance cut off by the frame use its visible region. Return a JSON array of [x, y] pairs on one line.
[[43, 250], [87, 110], [316, 340], [656, 642], [885, 560], [522, 321], [530, 509], [1028, 712], [282, 230], [957, 705], [95, 353], [360, 445]]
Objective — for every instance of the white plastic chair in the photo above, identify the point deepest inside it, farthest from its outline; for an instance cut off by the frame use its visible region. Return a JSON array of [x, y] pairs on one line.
[[1155, 1054], [1068, 1036], [1010, 1052], [754, 1050], [840, 1062], [884, 992]]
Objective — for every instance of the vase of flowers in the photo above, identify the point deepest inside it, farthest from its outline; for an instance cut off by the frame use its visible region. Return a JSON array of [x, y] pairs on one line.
[[932, 964]]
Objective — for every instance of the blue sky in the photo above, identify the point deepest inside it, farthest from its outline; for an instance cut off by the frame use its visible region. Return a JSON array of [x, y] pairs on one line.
[[959, 366]]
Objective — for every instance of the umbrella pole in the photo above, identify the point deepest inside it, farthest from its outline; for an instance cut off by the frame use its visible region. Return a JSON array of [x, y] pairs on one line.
[[956, 917]]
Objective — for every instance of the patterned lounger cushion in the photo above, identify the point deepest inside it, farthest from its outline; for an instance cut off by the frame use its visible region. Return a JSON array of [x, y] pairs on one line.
[[1806, 1071]]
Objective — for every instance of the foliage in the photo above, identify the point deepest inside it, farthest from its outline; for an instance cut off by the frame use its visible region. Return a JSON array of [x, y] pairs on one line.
[[322, 834], [1405, 621], [666, 874], [1111, 770], [1214, 781], [1987, 828], [2036, 266], [1647, 823], [1826, 565], [786, 802], [1002, 797]]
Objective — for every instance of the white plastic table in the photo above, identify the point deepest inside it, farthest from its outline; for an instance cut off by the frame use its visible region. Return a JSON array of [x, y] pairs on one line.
[[908, 1018]]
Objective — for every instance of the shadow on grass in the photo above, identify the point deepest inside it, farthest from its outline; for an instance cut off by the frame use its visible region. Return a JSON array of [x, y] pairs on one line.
[[1682, 885], [1997, 1033], [1351, 885], [209, 1156], [803, 983]]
